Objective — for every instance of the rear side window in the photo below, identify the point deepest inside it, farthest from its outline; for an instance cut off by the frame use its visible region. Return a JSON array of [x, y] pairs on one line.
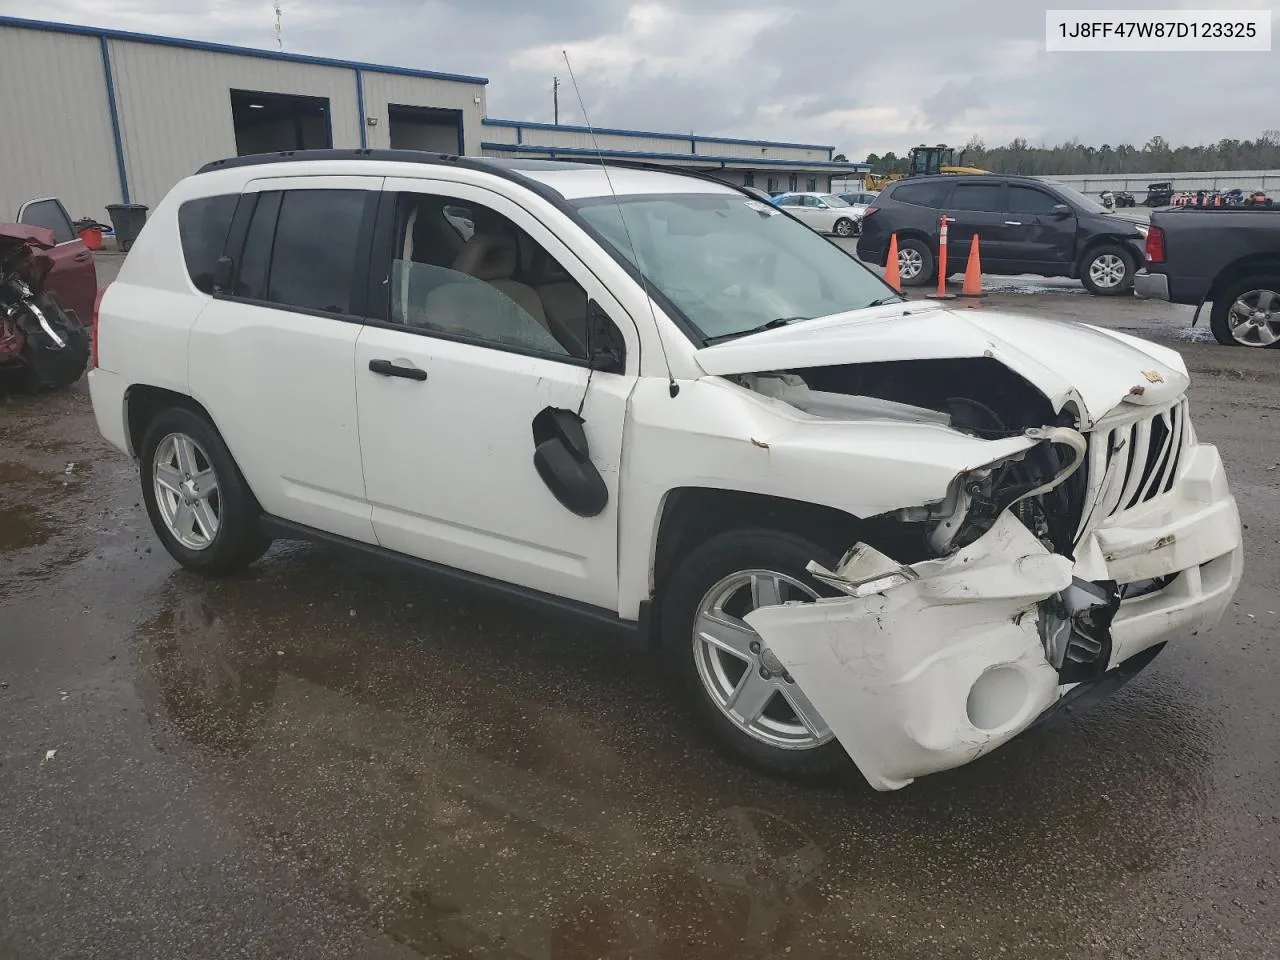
[[931, 194], [51, 214], [202, 230], [1029, 200], [985, 197], [302, 249]]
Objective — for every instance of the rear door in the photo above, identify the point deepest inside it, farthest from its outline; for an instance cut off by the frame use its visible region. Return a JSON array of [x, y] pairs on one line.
[[273, 356], [1044, 241], [73, 281], [978, 209]]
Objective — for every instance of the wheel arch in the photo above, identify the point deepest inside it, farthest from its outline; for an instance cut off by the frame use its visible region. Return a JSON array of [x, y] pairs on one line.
[[1100, 240], [1267, 264], [690, 516], [143, 402]]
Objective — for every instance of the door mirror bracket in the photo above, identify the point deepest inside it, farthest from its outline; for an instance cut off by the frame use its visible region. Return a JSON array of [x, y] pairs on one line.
[[606, 350]]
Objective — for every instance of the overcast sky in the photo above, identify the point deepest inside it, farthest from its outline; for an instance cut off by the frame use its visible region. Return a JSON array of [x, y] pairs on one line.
[[862, 75]]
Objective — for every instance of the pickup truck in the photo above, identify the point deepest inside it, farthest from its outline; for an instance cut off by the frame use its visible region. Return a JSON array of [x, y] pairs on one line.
[[1228, 257]]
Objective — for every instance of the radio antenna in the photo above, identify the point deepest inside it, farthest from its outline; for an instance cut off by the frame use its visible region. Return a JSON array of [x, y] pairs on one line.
[[635, 257], [279, 38]]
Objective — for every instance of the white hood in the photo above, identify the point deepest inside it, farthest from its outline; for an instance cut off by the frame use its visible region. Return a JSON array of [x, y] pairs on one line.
[[1066, 361]]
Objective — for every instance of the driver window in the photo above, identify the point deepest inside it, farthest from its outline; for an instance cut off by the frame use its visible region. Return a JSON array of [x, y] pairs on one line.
[[464, 270]]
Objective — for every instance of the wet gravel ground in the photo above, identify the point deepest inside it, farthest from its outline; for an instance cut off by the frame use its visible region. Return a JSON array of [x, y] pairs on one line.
[[329, 757]]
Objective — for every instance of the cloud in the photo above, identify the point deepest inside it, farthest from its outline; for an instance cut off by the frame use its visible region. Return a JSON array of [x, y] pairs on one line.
[[862, 78]]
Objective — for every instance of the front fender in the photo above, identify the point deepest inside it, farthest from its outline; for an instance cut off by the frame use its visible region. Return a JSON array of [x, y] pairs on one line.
[[943, 664]]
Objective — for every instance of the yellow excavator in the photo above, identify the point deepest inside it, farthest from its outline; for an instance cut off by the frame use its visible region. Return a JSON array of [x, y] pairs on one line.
[[923, 161]]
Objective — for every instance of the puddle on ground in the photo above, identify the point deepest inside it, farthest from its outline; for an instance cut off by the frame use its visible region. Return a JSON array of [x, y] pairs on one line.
[[19, 529]]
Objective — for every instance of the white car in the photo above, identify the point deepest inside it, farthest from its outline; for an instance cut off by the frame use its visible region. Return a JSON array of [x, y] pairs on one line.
[[859, 527], [825, 212]]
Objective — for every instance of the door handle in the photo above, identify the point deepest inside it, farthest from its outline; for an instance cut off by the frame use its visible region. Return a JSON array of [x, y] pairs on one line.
[[1013, 223], [386, 368]]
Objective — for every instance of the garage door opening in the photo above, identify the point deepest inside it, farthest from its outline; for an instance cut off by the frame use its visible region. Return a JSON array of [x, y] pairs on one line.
[[269, 122], [425, 128]]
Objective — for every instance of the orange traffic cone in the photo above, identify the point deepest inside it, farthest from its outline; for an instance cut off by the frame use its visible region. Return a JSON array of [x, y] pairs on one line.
[[973, 272], [891, 274]]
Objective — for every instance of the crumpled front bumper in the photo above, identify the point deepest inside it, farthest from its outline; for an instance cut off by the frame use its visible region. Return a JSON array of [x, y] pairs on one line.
[[947, 664]]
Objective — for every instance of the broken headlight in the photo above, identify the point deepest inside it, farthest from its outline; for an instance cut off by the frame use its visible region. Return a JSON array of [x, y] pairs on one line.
[[977, 497]]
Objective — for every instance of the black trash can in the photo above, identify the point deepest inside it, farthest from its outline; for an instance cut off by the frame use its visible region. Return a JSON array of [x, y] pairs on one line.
[[127, 220]]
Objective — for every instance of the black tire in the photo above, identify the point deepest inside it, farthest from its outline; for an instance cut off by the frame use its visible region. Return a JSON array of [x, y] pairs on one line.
[[239, 539], [844, 227], [703, 568], [928, 265], [1225, 298], [1094, 254]]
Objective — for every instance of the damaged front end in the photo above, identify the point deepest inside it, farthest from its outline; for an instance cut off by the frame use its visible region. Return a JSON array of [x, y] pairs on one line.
[[960, 623], [922, 668]]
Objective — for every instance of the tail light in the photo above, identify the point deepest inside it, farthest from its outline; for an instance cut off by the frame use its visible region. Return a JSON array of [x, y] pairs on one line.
[[869, 211], [1155, 245], [93, 323]]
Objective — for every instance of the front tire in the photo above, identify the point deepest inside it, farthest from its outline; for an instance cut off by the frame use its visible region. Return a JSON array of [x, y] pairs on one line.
[[1246, 313], [740, 690], [1107, 270], [843, 227], [199, 504]]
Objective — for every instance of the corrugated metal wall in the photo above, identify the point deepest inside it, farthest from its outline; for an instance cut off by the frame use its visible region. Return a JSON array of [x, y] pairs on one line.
[[175, 107], [56, 128], [381, 89]]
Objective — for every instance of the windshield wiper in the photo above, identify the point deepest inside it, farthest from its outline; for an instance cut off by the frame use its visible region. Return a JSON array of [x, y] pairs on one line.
[[771, 325], [885, 301]]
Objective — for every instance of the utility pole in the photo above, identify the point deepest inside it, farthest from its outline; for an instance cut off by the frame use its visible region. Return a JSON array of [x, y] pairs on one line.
[[555, 100], [279, 39]]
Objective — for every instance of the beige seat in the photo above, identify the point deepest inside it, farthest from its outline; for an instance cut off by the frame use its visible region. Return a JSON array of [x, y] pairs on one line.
[[564, 305], [492, 257], [483, 301]]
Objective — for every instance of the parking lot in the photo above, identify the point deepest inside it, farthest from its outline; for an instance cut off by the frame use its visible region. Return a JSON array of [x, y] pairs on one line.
[[332, 758]]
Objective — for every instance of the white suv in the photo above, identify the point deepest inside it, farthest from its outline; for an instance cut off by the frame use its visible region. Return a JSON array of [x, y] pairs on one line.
[[857, 525]]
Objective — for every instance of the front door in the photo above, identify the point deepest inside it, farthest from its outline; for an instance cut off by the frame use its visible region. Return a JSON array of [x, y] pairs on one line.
[[273, 356], [73, 278], [1045, 240], [480, 328]]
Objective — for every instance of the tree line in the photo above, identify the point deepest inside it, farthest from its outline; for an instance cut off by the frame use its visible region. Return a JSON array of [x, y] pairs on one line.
[[1073, 157]]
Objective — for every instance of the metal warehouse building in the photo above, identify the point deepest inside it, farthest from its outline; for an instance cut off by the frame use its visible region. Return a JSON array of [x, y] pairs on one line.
[[99, 116]]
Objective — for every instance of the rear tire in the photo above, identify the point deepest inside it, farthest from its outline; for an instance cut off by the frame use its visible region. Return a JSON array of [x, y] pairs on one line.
[[916, 264], [778, 741], [198, 502], [1243, 301]]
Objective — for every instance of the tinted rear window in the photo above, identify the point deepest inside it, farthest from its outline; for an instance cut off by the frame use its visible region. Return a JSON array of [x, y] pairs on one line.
[[930, 194], [202, 230], [313, 259]]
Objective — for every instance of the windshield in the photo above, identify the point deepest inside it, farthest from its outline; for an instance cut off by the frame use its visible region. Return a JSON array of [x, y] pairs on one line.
[[1079, 199], [731, 264]]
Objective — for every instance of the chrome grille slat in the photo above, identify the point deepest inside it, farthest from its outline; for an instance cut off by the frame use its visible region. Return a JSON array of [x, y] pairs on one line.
[[1139, 445], [1134, 463]]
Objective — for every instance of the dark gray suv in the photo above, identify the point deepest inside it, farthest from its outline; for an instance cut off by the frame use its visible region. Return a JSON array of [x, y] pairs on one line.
[[1024, 225]]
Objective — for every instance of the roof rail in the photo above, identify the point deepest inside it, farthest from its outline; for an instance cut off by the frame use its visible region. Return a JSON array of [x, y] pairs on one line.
[[351, 153], [444, 159]]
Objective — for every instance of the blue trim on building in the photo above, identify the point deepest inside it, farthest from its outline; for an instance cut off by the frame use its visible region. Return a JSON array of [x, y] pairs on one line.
[[364, 140], [121, 171], [106, 34], [701, 157], [521, 124]]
